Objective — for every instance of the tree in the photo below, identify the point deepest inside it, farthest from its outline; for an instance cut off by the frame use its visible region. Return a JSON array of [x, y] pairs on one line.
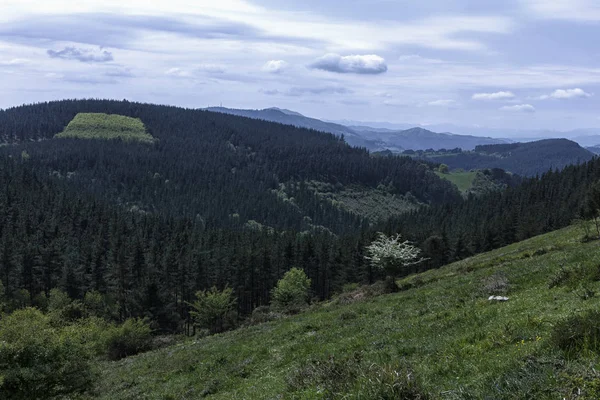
[[212, 307], [443, 168], [292, 291], [393, 255], [39, 360]]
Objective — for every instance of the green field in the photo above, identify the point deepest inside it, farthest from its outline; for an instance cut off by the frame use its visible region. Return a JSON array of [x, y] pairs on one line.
[[440, 338], [462, 180], [106, 127]]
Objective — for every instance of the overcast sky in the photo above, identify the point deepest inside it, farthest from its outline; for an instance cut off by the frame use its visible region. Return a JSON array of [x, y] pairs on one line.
[[503, 64]]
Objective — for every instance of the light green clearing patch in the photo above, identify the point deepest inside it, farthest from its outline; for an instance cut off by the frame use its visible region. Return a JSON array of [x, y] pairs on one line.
[[374, 204], [462, 180], [106, 127], [442, 326]]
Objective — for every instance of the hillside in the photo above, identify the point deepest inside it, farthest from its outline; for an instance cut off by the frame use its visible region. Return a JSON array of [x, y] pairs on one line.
[[440, 338], [525, 159], [375, 139], [201, 159], [293, 118], [106, 127]]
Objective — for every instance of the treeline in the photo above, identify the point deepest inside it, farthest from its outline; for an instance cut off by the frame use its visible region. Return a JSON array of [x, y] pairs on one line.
[[148, 225], [525, 159], [147, 265], [218, 168]]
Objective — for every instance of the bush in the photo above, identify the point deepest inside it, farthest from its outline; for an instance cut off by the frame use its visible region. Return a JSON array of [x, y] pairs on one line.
[[133, 337], [38, 360], [578, 333], [212, 308], [338, 378], [262, 314], [292, 291]]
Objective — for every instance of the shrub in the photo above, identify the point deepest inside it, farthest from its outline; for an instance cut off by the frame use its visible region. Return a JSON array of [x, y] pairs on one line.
[[38, 360], [496, 284], [578, 333], [338, 378], [133, 337], [292, 291], [212, 308], [263, 314]]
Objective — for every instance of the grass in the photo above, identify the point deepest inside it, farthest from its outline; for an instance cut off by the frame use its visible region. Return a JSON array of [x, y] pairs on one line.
[[439, 338], [462, 180], [106, 127]]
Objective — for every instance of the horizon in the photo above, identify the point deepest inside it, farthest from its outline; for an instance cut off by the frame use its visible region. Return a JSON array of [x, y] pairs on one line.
[[521, 65]]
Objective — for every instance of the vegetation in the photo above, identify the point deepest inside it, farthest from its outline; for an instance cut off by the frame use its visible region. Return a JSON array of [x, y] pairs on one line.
[[463, 180], [292, 291], [524, 159], [106, 127], [439, 338], [212, 308]]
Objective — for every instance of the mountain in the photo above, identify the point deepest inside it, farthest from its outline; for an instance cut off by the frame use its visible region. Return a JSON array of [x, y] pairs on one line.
[[363, 345], [526, 159], [106, 241], [594, 149], [288, 117], [375, 139], [422, 139]]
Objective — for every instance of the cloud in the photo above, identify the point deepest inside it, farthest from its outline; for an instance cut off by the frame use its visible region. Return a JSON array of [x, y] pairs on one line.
[[355, 64], [83, 55], [303, 91], [565, 94], [15, 62], [193, 72], [494, 96], [442, 103], [524, 108], [575, 10], [275, 66]]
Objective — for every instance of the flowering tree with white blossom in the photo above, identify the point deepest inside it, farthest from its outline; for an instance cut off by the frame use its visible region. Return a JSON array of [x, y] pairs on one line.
[[392, 254]]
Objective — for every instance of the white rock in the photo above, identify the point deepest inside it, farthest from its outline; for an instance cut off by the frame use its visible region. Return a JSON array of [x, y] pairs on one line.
[[498, 298]]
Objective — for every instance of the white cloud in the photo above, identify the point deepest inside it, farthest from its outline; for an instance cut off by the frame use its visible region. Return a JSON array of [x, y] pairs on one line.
[[193, 72], [524, 108], [275, 66], [178, 72], [565, 94], [356, 64], [442, 103], [576, 10], [494, 96], [16, 62]]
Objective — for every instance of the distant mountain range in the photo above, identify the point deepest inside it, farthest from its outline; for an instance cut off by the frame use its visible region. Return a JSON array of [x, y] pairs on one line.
[[585, 137], [373, 138]]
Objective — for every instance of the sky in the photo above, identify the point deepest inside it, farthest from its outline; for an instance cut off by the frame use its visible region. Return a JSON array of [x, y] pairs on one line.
[[510, 64]]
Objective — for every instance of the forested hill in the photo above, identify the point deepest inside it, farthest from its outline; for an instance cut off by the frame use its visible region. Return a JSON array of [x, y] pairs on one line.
[[223, 170], [526, 159], [221, 200]]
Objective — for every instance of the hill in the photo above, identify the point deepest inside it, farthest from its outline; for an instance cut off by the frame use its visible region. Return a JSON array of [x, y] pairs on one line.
[[106, 127], [375, 139], [440, 338], [288, 117], [220, 169], [422, 139], [525, 159]]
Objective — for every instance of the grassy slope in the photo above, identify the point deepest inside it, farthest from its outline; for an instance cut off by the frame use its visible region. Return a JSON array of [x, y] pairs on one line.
[[106, 126], [457, 343], [463, 180]]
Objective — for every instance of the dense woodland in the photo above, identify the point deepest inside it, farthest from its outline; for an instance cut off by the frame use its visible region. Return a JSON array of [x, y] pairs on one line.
[[525, 159], [148, 225]]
